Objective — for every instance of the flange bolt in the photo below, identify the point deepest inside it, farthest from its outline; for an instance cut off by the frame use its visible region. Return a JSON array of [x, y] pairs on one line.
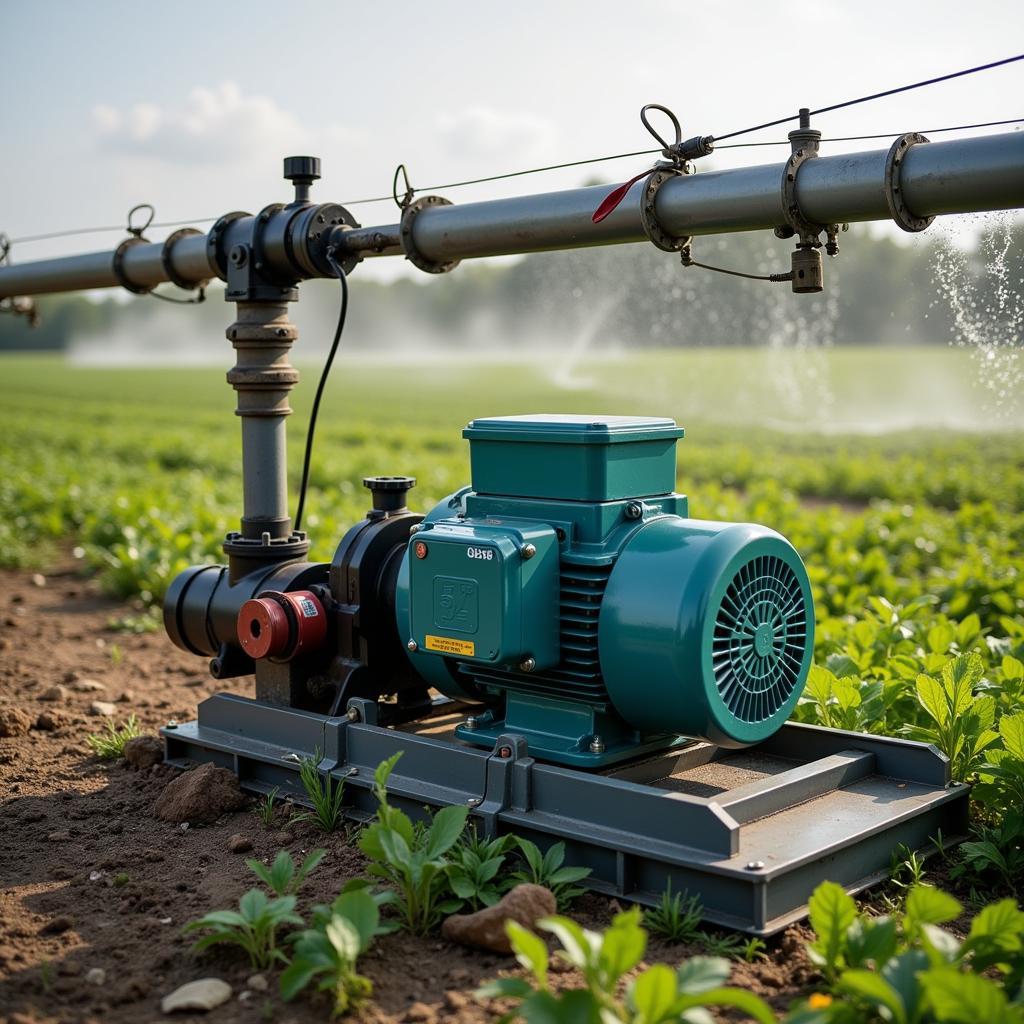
[[597, 745], [634, 510], [412, 645], [528, 664], [352, 714], [529, 550]]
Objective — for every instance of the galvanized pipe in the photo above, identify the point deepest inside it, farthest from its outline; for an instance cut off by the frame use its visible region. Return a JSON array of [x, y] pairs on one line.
[[960, 176]]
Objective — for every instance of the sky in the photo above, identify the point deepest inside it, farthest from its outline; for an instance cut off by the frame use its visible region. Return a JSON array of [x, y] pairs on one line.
[[191, 106]]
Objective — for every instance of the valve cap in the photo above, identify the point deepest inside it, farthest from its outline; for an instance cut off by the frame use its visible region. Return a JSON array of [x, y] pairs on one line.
[[282, 626]]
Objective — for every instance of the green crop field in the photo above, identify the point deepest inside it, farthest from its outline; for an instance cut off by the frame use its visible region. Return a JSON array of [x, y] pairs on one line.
[[912, 538]]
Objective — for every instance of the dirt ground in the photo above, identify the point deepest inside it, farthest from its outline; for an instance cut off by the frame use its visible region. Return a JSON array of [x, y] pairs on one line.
[[90, 879]]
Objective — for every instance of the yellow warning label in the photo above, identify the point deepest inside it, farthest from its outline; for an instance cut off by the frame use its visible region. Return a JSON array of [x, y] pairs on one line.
[[446, 645]]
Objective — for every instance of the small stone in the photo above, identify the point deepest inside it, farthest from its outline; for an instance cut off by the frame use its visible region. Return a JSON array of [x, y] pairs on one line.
[[126, 697], [420, 1012], [88, 685], [103, 708], [14, 722], [59, 837], [55, 693], [57, 925], [96, 976], [38, 579], [525, 904], [204, 994], [144, 751], [239, 844], [257, 982], [456, 1000], [283, 838], [48, 721], [201, 795]]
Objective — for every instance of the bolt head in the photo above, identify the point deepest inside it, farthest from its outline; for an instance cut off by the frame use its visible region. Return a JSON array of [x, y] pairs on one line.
[[597, 745], [528, 664], [352, 714], [412, 645], [755, 865], [634, 510], [529, 550], [471, 723]]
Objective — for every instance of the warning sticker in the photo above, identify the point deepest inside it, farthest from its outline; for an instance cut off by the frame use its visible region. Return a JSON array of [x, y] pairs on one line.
[[446, 645]]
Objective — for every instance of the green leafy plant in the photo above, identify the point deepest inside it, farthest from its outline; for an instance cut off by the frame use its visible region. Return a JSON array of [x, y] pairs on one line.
[[658, 994], [326, 795], [907, 968], [677, 916], [327, 952], [547, 869], [411, 861], [473, 869], [282, 878], [265, 807], [253, 927], [109, 744], [961, 721]]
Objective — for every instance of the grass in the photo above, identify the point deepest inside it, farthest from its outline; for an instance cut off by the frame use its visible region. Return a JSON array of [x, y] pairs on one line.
[[109, 744], [324, 793]]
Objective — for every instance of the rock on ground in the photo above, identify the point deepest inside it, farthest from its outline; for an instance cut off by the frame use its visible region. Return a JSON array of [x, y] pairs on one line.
[[239, 843], [103, 708], [200, 796], [204, 994], [526, 904], [144, 751], [14, 722]]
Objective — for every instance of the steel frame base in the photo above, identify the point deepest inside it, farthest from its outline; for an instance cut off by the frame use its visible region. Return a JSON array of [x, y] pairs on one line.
[[836, 808]]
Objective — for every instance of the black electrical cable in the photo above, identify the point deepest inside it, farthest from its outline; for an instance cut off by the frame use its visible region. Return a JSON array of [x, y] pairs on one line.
[[876, 96], [320, 387]]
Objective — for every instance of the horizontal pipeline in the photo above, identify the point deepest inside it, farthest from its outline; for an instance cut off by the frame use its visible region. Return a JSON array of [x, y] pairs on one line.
[[959, 176]]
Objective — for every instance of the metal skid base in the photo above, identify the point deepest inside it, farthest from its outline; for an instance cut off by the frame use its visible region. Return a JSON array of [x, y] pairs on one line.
[[750, 832]]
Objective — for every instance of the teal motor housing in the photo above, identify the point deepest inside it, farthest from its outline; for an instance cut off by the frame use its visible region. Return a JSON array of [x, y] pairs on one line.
[[569, 594]]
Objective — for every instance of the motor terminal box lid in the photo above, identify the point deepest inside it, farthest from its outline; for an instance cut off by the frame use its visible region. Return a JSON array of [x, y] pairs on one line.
[[573, 458], [486, 591]]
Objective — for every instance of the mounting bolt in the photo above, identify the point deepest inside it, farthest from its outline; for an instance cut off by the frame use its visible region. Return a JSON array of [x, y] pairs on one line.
[[474, 801], [528, 664], [754, 865], [415, 528], [412, 645], [352, 714], [172, 724], [471, 723], [529, 550], [238, 255], [504, 752], [597, 745], [634, 510]]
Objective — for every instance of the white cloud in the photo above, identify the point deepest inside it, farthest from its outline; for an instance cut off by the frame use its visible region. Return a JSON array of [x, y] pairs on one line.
[[480, 131], [214, 125]]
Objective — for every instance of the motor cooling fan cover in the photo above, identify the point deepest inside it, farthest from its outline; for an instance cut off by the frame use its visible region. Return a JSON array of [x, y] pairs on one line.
[[707, 630]]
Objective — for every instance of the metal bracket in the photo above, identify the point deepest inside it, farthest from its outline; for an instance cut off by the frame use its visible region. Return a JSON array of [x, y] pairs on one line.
[[648, 210], [118, 266], [805, 147], [893, 190], [412, 254], [214, 249]]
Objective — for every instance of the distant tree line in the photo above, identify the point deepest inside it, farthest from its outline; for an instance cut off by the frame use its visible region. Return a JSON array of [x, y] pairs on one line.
[[878, 291]]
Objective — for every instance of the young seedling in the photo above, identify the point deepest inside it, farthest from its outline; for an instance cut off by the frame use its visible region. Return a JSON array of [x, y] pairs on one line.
[[253, 927], [109, 745], [474, 867], [282, 878], [546, 869], [677, 917], [411, 861], [265, 807], [325, 794]]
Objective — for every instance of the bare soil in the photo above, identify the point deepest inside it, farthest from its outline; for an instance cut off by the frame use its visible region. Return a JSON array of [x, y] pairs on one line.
[[90, 879]]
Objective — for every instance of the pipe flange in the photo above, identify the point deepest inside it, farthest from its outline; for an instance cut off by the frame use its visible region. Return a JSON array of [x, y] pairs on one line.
[[412, 254], [215, 253], [893, 188], [118, 266], [648, 212], [167, 259], [805, 147]]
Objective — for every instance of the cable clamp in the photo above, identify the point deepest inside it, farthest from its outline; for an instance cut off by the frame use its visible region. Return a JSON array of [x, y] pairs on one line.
[[412, 254], [893, 187]]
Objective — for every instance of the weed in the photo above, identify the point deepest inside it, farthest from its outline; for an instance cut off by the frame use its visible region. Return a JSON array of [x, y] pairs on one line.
[[282, 878], [265, 807], [109, 745], [474, 866], [546, 869], [411, 861], [121, 879], [676, 917], [325, 793], [253, 927]]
